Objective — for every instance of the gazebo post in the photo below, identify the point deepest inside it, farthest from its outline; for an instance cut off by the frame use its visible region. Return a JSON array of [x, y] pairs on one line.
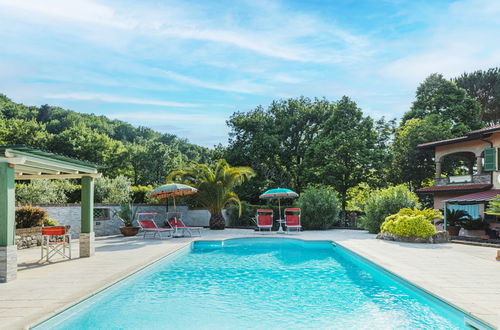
[[87, 221], [8, 248]]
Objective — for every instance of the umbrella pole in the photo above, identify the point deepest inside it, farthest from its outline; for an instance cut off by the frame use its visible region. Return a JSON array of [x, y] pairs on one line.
[[175, 207], [280, 229]]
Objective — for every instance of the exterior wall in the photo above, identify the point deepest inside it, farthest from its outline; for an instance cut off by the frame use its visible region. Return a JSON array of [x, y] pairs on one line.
[[439, 197], [475, 146], [70, 215]]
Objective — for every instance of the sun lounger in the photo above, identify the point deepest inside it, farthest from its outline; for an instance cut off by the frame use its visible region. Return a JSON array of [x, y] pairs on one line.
[[265, 220], [292, 220], [175, 221], [149, 226]]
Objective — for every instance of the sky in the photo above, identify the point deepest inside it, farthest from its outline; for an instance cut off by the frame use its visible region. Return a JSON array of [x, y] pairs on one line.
[[184, 67]]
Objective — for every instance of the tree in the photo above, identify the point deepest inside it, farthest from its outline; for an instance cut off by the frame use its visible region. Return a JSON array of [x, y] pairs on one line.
[[29, 133], [438, 96], [87, 144], [484, 86], [344, 152], [412, 166], [274, 142], [215, 186], [152, 160]]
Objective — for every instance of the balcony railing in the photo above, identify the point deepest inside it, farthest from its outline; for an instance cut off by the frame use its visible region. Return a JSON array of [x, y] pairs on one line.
[[464, 179]]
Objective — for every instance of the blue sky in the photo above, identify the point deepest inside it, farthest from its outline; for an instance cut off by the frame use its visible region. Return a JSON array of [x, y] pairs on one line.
[[184, 67]]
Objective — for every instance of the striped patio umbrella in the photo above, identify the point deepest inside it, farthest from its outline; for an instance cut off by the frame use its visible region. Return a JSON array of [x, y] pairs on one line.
[[172, 190], [279, 193]]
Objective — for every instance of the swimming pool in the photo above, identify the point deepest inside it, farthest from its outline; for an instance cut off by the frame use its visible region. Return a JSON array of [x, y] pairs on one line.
[[261, 283]]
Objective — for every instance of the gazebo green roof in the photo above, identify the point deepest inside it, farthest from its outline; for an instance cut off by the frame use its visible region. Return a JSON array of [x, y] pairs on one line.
[[31, 163]]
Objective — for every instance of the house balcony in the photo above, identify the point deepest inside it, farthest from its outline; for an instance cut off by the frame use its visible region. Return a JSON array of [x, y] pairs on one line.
[[484, 178]]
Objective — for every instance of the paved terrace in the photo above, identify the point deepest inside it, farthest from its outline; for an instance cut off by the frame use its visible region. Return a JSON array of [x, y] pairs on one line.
[[466, 276]]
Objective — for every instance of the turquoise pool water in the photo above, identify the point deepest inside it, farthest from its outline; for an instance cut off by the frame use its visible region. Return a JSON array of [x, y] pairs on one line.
[[261, 283]]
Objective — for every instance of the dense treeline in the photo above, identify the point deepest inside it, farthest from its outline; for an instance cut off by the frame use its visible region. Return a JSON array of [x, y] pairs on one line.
[[141, 154], [298, 142]]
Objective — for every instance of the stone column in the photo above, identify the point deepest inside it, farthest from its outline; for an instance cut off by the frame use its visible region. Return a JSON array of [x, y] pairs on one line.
[[479, 164], [87, 221], [8, 249], [438, 169]]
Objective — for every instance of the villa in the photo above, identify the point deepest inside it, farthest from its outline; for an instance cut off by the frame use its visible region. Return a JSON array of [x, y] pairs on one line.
[[478, 167]]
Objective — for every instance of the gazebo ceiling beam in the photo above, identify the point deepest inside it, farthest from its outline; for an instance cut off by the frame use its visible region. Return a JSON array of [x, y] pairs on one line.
[[35, 169], [51, 167], [56, 176], [42, 161]]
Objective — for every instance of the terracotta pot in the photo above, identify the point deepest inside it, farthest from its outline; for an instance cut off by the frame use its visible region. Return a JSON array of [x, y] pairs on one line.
[[453, 230], [129, 231]]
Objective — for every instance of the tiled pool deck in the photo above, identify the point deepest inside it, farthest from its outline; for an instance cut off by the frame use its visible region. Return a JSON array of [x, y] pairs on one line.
[[466, 276]]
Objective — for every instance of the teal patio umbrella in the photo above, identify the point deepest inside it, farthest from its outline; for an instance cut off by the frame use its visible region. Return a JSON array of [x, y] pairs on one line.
[[279, 193]]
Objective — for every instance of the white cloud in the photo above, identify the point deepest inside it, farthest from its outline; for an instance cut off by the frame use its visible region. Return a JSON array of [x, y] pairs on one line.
[[237, 86], [285, 40], [116, 99]]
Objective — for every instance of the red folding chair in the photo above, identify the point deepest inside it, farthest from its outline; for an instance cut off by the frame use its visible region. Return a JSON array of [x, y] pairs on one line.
[[56, 240], [265, 219], [292, 220]]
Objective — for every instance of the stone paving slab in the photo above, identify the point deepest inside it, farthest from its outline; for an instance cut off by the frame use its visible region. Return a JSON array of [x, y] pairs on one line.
[[466, 276]]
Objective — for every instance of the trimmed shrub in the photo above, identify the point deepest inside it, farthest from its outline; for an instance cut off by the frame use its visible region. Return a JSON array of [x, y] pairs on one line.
[[319, 207], [408, 224], [382, 203], [429, 213], [30, 216]]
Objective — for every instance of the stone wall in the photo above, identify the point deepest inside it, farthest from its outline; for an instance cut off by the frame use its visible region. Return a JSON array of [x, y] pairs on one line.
[[28, 237], [440, 237], [70, 214]]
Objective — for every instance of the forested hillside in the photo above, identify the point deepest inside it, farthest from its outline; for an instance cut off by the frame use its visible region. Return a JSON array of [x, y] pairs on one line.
[[141, 154]]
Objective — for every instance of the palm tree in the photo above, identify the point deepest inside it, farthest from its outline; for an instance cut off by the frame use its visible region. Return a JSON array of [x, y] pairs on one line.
[[215, 186]]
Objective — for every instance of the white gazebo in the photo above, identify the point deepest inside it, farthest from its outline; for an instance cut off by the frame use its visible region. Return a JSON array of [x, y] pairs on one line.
[[24, 163]]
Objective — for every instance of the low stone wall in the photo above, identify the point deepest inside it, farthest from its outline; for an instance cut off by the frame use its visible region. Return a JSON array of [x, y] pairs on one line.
[[28, 237], [441, 237], [70, 215]]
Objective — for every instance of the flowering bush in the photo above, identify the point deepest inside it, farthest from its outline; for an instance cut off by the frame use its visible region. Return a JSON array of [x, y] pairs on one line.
[[408, 222]]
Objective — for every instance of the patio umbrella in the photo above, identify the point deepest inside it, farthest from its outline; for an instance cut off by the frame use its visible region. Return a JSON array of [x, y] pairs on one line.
[[279, 193], [172, 190]]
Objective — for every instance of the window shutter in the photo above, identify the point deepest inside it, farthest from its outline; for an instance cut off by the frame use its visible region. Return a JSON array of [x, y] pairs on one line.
[[490, 159]]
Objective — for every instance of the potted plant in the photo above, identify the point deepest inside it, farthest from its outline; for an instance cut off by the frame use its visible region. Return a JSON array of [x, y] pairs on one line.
[[454, 220], [127, 213], [475, 227]]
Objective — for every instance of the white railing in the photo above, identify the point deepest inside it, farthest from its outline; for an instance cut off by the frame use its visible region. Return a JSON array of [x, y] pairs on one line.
[[460, 178]]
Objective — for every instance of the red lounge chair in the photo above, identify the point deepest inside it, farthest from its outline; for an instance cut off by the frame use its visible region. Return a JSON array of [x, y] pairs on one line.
[[149, 226], [265, 219], [175, 221], [292, 220], [56, 240]]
